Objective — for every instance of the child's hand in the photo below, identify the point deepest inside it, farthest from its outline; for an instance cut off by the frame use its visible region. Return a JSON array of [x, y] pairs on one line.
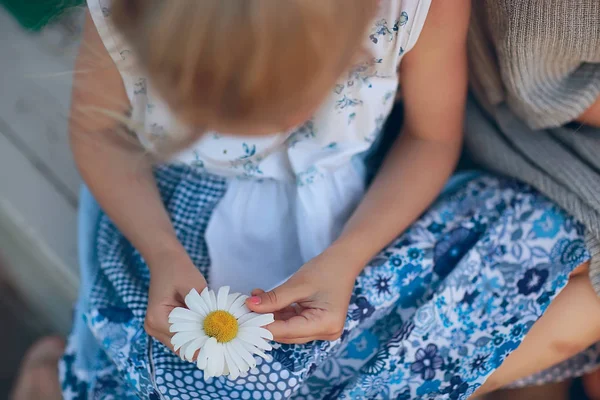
[[311, 305], [171, 280]]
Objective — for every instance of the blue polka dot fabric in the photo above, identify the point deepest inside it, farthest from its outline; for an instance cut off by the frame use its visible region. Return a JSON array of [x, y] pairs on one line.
[[431, 317]]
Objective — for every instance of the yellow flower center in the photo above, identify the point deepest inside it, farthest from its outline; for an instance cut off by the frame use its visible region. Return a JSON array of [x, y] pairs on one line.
[[221, 325]]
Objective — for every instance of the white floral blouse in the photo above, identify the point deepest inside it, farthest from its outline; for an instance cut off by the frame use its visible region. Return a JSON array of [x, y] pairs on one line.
[[289, 194]]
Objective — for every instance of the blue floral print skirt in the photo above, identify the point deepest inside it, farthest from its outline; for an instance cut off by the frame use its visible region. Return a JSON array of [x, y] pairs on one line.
[[431, 317]]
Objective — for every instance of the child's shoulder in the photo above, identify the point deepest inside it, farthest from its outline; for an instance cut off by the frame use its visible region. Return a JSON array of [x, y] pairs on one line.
[[398, 22]]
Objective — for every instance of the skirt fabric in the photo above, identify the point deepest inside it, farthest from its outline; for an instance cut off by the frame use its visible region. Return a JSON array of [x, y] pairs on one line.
[[431, 317]]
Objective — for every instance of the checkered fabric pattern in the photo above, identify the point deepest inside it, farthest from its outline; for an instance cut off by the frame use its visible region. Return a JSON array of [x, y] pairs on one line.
[[190, 198]]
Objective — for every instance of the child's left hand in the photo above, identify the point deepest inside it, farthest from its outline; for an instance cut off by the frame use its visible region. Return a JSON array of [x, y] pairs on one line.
[[311, 305]]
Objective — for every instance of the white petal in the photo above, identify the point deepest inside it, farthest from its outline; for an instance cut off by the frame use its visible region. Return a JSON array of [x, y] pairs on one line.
[[238, 307], [241, 350], [263, 355], [222, 298], [254, 340], [184, 313], [193, 346], [208, 300], [231, 298], [232, 369], [181, 338], [246, 317], [213, 299], [182, 351], [183, 321], [225, 368], [252, 349], [216, 360], [205, 352], [258, 320], [186, 327], [259, 332], [237, 359], [195, 303]]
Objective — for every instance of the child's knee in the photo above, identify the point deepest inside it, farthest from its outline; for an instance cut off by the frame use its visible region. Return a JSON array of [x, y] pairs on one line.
[[583, 269], [563, 348]]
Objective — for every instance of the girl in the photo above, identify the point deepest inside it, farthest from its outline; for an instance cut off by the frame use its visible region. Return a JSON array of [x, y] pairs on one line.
[[265, 112]]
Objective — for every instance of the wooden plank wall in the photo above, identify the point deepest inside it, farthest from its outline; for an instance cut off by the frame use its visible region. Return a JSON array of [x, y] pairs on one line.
[[38, 179]]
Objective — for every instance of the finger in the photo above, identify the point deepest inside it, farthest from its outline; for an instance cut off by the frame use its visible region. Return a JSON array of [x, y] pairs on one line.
[[159, 329], [276, 299], [286, 313]]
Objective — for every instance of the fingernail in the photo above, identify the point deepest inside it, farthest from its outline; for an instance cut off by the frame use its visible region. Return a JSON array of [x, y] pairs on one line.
[[254, 300]]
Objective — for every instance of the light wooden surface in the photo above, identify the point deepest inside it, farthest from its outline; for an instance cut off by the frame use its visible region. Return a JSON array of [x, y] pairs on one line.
[[38, 179]]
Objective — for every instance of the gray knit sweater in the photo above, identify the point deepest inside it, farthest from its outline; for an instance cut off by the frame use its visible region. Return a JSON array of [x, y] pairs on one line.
[[535, 67]]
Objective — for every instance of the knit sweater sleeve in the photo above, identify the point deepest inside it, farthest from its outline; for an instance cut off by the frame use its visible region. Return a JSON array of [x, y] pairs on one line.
[[546, 58]]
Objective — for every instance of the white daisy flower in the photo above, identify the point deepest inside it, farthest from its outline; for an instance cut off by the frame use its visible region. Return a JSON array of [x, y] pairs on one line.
[[225, 331]]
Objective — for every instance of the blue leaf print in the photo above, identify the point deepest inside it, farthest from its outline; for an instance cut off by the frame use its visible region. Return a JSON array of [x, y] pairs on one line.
[[250, 151], [362, 73], [305, 132], [516, 235], [526, 215], [328, 368], [251, 168], [351, 118], [198, 163], [403, 18], [378, 261], [346, 102], [157, 131], [517, 251], [388, 96], [539, 252], [140, 87], [308, 177], [382, 31]]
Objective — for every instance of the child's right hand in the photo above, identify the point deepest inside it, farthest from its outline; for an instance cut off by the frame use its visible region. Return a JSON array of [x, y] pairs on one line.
[[171, 279]]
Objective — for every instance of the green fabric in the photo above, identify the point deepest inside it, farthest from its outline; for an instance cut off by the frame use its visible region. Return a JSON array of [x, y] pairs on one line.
[[35, 14]]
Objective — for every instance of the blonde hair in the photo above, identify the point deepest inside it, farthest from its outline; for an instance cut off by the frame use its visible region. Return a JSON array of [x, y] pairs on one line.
[[242, 60]]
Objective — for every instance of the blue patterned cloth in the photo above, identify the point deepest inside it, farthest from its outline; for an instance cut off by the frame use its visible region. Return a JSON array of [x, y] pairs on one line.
[[431, 317]]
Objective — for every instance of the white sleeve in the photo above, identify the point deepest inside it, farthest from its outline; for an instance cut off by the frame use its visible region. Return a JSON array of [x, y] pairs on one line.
[[100, 11], [417, 23]]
